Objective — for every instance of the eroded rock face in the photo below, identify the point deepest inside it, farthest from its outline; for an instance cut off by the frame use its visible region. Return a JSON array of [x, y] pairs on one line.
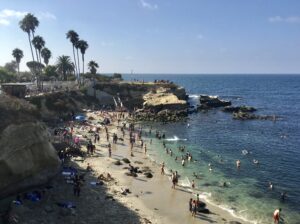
[[27, 158], [162, 100]]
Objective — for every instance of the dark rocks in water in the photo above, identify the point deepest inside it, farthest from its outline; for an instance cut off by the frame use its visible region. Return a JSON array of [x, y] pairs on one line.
[[206, 184], [125, 160], [232, 198], [256, 194], [148, 175], [212, 101], [138, 162], [165, 115], [201, 204], [234, 222], [118, 163], [131, 174], [248, 116], [238, 109]]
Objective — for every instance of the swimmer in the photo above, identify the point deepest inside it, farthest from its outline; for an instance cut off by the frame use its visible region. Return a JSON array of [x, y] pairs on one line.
[[238, 163], [188, 125], [271, 187], [282, 196], [183, 162]]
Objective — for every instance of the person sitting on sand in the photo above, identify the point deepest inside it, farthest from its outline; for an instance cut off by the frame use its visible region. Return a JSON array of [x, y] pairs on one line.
[[106, 177], [89, 167]]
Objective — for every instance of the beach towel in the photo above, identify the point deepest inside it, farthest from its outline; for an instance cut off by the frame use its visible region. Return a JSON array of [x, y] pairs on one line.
[[66, 204]]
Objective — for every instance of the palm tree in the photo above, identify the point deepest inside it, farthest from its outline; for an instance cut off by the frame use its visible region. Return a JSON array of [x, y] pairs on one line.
[[92, 65], [82, 45], [77, 51], [64, 65], [38, 42], [46, 55], [18, 55], [28, 24], [73, 36]]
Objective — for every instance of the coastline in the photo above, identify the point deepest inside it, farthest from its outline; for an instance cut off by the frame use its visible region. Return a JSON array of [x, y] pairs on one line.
[[152, 200], [154, 196]]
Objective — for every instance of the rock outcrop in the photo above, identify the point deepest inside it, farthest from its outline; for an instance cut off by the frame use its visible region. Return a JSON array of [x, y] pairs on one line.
[[208, 102], [249, 116], [131, 94], [161, 100], [236, 109], [27, 158]]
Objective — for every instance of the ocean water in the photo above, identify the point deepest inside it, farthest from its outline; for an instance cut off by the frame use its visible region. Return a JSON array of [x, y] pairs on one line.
[[214, 137]]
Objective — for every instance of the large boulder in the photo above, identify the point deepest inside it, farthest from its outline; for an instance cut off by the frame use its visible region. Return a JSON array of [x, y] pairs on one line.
[[27, 158]]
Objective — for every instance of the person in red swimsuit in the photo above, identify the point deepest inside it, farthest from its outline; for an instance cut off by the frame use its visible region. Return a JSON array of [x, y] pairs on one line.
[[276, 215]]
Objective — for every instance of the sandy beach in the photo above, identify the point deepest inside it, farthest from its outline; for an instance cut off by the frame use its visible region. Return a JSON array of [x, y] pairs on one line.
[[151, 200]]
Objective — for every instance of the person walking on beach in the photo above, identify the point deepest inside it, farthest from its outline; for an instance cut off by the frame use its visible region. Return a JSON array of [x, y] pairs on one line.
[[145, 149], [191, 205], [194, 208], [109, 150], [173, 178], [276, 215], [162, 168]]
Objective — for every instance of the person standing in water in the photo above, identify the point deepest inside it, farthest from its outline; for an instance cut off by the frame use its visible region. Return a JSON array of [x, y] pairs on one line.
[[238, 164], [193, 184], [276, 215]]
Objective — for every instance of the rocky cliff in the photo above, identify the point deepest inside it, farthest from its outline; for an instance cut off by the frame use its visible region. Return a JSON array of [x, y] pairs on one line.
[[132, 94], [27, 158]]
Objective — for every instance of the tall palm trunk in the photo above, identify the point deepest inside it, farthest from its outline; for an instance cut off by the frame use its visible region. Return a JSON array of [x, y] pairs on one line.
[[76, 71], [33, 59], [19, 71], [78, 66], [39, 68], [30, 46], [82, 64], [36, 51]]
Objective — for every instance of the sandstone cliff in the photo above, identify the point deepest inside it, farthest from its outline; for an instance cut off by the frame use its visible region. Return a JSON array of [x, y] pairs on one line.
[[133, 95], [27, 158]]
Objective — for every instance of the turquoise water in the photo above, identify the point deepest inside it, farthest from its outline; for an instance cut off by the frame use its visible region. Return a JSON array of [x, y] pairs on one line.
[[215, 136]]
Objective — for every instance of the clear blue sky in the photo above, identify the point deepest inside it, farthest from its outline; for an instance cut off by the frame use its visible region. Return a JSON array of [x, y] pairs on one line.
[[164, 36]]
